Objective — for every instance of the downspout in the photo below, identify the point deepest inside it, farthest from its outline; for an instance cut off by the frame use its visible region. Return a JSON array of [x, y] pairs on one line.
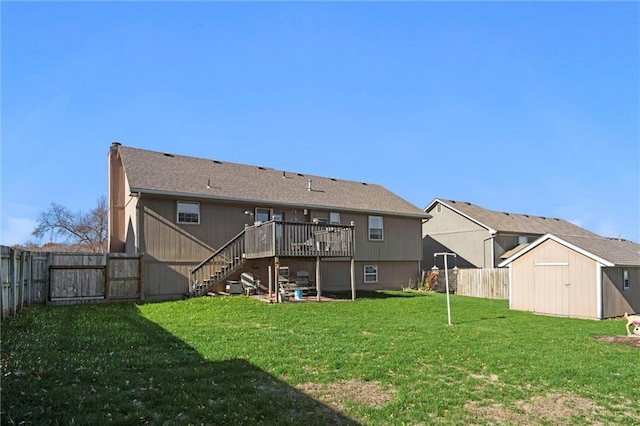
[[137, 231], [492, 264]]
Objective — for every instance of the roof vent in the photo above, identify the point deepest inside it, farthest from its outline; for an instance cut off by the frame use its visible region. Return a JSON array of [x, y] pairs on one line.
[[168, 155], [365, 183], [309, 185], [506, 213], [217, 162], [333, 179], [261, 168], [299, 174]]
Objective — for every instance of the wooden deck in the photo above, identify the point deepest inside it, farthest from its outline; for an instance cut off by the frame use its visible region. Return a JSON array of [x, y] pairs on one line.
[[295, 239]]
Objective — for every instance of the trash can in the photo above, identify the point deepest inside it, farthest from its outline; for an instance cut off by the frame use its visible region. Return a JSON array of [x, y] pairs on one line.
[[298, 294]]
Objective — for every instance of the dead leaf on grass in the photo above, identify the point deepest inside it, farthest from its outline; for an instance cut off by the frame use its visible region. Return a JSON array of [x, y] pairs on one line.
[[634, 342], [372, 394], [551, 408]]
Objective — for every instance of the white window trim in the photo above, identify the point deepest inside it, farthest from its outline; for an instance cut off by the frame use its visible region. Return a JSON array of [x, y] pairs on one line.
[[369, 228], [365, 274], [178, 204]]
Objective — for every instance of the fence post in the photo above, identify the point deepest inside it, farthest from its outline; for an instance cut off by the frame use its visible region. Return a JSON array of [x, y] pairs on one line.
[[12, 288], [47, 286], [4, 279], [141, 275], [106, 283], [22, 282], [29, 278]]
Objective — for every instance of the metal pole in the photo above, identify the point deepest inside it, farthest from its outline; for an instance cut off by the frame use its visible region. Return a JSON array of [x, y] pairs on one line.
[[446, 281]]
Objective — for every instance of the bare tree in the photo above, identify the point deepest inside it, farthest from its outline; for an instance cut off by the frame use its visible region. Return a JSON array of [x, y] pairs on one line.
[[88, 230]]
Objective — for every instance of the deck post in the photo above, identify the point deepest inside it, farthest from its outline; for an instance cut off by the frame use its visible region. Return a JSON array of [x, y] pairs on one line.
[[276, 263], [353, 263], [353, 279], [270, 282], [318, 286]]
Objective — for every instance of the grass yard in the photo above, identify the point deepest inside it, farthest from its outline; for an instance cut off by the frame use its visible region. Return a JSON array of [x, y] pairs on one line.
[[387, 358]]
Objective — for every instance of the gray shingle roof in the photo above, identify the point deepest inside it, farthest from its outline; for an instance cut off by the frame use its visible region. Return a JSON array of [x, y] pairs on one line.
[[522, 224], [607, 250], [618, 252], [163, 173]]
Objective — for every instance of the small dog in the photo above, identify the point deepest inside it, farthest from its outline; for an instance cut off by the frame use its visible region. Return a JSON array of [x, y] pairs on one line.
[[632, 320]]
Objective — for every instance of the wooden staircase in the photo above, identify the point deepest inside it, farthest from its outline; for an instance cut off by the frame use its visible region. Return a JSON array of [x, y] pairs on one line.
[[218, 267]]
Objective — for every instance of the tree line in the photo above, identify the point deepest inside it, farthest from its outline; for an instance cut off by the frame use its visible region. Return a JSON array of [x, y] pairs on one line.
[[72, 230]]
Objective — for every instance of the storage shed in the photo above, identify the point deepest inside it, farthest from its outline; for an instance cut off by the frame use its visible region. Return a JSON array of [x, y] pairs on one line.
[[575, 276]]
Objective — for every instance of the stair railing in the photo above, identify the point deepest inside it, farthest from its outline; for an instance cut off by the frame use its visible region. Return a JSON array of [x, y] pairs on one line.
[[218, 266]]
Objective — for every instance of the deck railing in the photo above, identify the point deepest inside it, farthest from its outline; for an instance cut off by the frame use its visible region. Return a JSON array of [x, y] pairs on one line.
[[276, 238], [270, 239]]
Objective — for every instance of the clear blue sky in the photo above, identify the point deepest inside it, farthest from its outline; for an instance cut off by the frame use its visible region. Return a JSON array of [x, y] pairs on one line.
[[524, 107]]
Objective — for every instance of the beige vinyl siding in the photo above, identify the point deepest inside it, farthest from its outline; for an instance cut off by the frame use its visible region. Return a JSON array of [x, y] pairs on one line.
[[401, 240], [616, 300], [450, 229], [165, 280], [335, 275], [117, 194], [130, 219]]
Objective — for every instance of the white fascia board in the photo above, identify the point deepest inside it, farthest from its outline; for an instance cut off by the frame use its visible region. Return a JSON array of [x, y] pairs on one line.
[[437, 200], [558, 240]]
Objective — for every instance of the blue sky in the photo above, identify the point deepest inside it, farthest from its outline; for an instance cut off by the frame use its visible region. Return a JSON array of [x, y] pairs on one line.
[[524, 107]]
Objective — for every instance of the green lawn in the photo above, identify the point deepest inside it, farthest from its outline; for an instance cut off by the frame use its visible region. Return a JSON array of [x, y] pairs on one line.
[[387, 358]]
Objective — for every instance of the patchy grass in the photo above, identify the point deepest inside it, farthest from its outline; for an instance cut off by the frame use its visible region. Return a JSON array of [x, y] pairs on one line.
[[388, 358]]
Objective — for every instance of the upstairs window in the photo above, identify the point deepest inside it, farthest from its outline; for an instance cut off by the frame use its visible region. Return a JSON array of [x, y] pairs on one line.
[[334, 218], [625, 279], [376, 228], [188, 212]]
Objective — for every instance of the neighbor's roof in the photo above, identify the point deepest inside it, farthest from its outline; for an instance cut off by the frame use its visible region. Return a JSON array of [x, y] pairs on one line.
[[504, 222], [172, 174], [608, 251]]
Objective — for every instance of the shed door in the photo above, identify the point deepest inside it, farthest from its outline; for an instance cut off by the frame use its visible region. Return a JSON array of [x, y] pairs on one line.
[[552, 288]]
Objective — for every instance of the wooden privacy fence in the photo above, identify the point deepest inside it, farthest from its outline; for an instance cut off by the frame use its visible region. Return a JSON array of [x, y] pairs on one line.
[[67, 278], [488, 283]]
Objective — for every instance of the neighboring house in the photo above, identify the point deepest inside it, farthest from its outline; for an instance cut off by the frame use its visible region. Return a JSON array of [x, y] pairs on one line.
[[482, 238], [200, 222], [575, 276]]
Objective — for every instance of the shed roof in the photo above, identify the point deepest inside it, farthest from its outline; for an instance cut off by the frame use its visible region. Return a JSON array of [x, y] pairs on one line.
[[608, 251], [511, 223], [178, 175]]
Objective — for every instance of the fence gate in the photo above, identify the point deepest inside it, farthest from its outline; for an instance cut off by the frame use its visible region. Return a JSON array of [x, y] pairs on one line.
[[74, 277]]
